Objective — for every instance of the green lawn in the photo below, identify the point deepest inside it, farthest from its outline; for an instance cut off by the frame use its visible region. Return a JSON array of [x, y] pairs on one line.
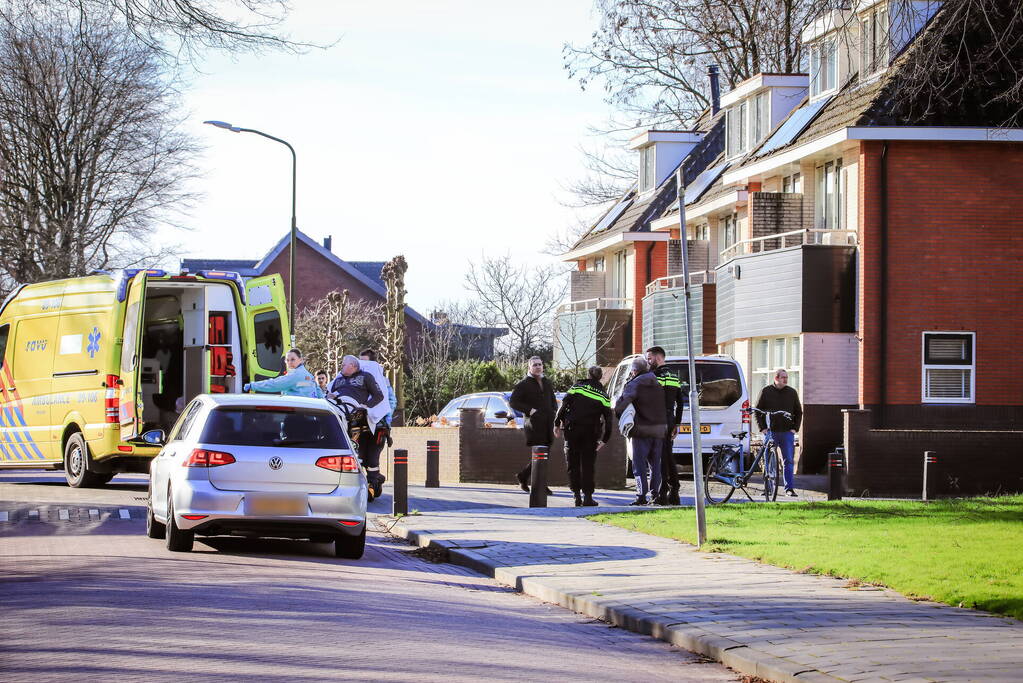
[[965, 552]]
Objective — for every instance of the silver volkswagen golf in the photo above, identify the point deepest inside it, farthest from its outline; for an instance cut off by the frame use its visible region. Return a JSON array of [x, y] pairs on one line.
[[250, 465]]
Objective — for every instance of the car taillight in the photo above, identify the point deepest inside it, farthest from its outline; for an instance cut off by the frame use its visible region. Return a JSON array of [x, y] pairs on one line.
[[338, 463], [745, 412], [203, 458], [110, 401]]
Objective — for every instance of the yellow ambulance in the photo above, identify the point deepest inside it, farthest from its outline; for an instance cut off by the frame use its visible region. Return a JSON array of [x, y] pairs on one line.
[[91, 367]]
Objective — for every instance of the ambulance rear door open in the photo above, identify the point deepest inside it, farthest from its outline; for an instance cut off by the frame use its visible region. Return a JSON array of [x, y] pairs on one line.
[[129, 396], [267, 328]]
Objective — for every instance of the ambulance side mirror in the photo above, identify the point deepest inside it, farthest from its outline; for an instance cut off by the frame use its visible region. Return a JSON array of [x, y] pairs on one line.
[[154, 437]]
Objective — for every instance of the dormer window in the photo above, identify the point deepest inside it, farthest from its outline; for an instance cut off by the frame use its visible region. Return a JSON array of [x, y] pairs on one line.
[[647, 168], [747, 123], [874, 41], [823, 67]]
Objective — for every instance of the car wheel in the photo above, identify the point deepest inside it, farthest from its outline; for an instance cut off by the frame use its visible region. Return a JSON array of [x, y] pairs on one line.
[[154, 529], [178, 541], [350, 547], [76, 470]]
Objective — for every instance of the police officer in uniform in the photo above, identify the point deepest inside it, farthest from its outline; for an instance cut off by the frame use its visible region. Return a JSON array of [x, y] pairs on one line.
[[673, 406], [585, 416]]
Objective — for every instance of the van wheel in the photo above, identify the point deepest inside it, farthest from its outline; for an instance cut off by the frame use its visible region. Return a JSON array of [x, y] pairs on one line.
[[76, 471], [178, 541]]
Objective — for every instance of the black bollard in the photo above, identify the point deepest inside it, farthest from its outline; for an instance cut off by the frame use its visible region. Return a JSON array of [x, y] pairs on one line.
[[400, 487], [433, 464], [929, 459], [538, 478], [836, 467]]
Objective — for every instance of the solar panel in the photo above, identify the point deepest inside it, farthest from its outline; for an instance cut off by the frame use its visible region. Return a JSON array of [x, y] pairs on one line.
[[795, 124], [612, 215], [695, 189]]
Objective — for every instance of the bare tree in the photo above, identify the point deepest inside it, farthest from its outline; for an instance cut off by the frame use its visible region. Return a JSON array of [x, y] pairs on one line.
[[582, 339], [185, 28], [91, 150], [336, 325], [965, 66], [518, 297], [651, 56]]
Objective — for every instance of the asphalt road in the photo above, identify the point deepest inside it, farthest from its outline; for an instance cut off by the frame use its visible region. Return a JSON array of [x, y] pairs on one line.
[[84, 595]]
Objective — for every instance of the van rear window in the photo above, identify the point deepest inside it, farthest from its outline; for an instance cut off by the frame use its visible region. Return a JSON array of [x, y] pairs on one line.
[[281, 428], [719, 384]]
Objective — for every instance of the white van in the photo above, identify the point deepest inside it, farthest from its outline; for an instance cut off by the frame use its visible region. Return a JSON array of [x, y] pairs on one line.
[[724, 397]]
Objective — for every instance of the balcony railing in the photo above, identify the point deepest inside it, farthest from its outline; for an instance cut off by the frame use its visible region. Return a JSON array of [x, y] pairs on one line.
[[594, 304], [701, 277], [759, 245]]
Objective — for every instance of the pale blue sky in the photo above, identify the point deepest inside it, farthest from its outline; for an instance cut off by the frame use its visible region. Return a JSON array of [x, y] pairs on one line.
[[437, 129]]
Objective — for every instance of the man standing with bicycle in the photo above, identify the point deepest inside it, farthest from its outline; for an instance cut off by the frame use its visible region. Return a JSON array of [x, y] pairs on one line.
[[780, 396]]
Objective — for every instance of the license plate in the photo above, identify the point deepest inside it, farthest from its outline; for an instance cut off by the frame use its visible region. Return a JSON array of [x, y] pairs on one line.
[[276, 505], [688, 429]]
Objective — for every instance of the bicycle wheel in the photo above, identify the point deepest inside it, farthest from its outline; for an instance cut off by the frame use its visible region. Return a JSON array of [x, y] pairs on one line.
[[772, 473], [715, 485]]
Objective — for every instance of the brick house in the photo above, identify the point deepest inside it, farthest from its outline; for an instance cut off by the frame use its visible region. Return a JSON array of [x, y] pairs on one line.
[[320, 271], [874, 255]]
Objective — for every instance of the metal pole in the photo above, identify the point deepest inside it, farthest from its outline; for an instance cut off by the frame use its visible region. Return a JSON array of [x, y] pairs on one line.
[[929, 459], [294, 226], [836, 463], [694, 397], [538, 478], [400, 495], [432, 464]]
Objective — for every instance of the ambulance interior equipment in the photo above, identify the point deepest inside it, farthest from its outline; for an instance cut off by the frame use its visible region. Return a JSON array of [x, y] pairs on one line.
[[191, 345]]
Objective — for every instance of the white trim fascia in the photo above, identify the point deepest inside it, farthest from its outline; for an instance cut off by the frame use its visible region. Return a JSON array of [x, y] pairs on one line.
[[743, 173], [721, 202], [932, 133], [665, 222], [649, 137], [763, 81], [613, 240]]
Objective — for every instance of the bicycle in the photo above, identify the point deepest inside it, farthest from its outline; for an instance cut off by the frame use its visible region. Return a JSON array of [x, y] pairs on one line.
[[725, 471]]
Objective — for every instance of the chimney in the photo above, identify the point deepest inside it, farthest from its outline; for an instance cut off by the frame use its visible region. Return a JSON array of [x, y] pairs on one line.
[[715, 89], [327, 241]]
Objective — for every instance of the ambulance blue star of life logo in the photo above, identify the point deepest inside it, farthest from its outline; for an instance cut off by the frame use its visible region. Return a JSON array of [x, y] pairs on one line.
[[93, 347]]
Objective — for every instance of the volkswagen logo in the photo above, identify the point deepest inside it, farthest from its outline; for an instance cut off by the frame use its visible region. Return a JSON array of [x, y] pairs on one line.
[[276, 463]]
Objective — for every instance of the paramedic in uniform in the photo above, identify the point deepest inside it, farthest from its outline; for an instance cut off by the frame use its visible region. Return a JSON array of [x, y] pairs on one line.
[[296, 382]]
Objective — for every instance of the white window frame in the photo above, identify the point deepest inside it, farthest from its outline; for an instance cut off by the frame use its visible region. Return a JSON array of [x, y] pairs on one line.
[[829, 204], [729, 228], [823, 67], [647, 168], [925, 366], [793, 352]]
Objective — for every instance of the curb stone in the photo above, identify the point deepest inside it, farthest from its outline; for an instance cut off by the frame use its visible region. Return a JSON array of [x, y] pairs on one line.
[[729, 652]]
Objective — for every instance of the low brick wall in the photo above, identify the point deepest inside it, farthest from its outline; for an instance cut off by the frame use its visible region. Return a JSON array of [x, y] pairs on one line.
[[889, 462], [413, 439], [494, 456]]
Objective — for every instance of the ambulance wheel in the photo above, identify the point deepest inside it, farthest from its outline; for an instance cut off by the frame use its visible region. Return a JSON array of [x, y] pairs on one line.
[[76, 456]]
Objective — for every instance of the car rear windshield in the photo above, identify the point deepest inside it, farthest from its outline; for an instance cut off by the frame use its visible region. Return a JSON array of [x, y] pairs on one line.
[[274, 427], [718, 383]]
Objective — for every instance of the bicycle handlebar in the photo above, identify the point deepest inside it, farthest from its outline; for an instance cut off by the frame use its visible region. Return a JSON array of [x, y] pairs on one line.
[[786, 413]]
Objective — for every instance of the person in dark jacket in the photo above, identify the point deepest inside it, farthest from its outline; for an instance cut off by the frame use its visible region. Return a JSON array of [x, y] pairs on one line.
[[645, 394], [359, 385], [673, 407], [585, 416], [534, 398], [780, 396]]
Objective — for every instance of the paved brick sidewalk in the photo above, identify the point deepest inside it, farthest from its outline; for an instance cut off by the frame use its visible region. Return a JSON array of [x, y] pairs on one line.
[[758, 619]]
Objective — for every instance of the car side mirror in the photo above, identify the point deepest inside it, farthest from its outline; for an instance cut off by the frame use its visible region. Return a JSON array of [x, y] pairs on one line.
[[502, 414], [154, 437]]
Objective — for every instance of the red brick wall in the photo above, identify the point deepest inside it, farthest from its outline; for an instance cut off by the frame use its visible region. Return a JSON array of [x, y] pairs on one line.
[[315, 277], [955, 244], [656, 254]]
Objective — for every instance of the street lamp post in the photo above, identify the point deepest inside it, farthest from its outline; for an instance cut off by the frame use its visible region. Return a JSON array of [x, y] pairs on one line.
[[294, 224]]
